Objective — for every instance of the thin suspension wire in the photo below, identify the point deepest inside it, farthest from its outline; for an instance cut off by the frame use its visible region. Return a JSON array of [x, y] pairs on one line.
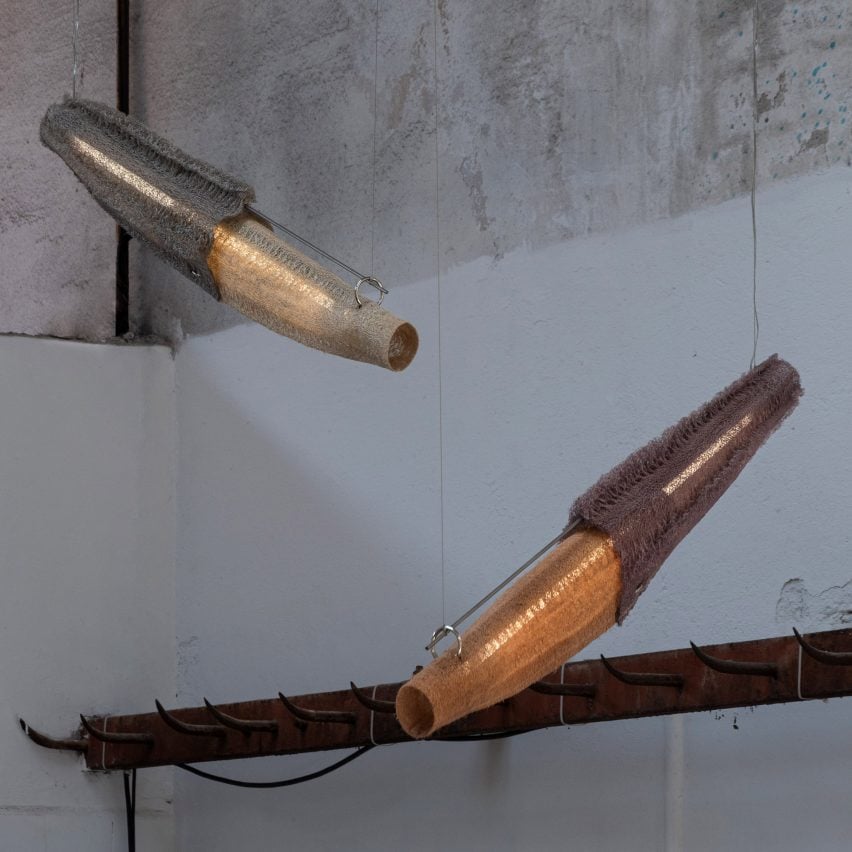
[[440, 366], [754, 116], [75, 69], [375, 127]]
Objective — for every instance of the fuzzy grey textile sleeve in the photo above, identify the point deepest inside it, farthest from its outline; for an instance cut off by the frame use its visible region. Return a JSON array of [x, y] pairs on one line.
[[159, 194], [650, 501]]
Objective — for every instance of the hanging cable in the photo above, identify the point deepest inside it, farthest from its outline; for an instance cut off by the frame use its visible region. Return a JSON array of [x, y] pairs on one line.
[[480, 738], [375, 128], [438, 276], [130, 808], [122, 103], [287, 782], [75, 67], [754, 116], [311, 776]]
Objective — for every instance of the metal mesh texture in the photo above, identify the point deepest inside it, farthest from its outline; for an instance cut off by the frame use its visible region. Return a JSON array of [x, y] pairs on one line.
[[159, 194], [650, 501]]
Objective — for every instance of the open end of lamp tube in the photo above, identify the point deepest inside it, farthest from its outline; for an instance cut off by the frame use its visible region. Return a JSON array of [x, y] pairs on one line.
[[402, 347], [546, 616], [415, 712]]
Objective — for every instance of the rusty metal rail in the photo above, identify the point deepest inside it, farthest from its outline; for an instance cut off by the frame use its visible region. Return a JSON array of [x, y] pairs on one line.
[[740, 674]]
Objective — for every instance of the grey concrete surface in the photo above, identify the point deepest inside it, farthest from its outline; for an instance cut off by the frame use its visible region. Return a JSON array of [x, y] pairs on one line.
[[554, 120], [57, 246]]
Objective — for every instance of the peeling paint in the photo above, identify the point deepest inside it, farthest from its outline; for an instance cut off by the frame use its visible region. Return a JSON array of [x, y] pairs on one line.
[[831, 607]]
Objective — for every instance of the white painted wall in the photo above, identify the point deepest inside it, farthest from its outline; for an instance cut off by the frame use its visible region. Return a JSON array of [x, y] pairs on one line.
[[309, 533], [87, 556]]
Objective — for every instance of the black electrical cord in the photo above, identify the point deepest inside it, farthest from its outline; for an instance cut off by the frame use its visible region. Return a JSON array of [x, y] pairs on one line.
[[130, 808], [122, 103], [300, 779], [287, 782], [475, 738], [130, 777]]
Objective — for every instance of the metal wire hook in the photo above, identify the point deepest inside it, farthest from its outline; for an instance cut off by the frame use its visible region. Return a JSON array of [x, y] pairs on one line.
[[447, 629], [439, 634], [362, 279], [373, 282]]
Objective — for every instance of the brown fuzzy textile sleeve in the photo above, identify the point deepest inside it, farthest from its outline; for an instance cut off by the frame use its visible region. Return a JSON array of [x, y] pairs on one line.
[[650, 501]]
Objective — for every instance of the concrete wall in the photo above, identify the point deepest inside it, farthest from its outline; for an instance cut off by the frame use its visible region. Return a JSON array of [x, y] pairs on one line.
[[87, 556], [555, 120], [57, 245]]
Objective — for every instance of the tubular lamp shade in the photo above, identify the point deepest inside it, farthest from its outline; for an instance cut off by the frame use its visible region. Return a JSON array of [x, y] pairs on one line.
[[196, 218], [631, 520]]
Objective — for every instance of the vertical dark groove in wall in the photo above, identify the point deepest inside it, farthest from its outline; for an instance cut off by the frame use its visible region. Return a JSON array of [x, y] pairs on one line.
[[122, 276]]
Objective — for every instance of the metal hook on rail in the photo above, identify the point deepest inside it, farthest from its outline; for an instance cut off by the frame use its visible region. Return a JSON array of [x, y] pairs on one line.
[[188, 728], [141, 738], [305, 715], [58, 743], [735, 667], [643, 678], [244, 726]]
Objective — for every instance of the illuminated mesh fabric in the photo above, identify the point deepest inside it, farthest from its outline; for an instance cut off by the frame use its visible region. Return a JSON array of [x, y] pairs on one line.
[[158, 193]]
